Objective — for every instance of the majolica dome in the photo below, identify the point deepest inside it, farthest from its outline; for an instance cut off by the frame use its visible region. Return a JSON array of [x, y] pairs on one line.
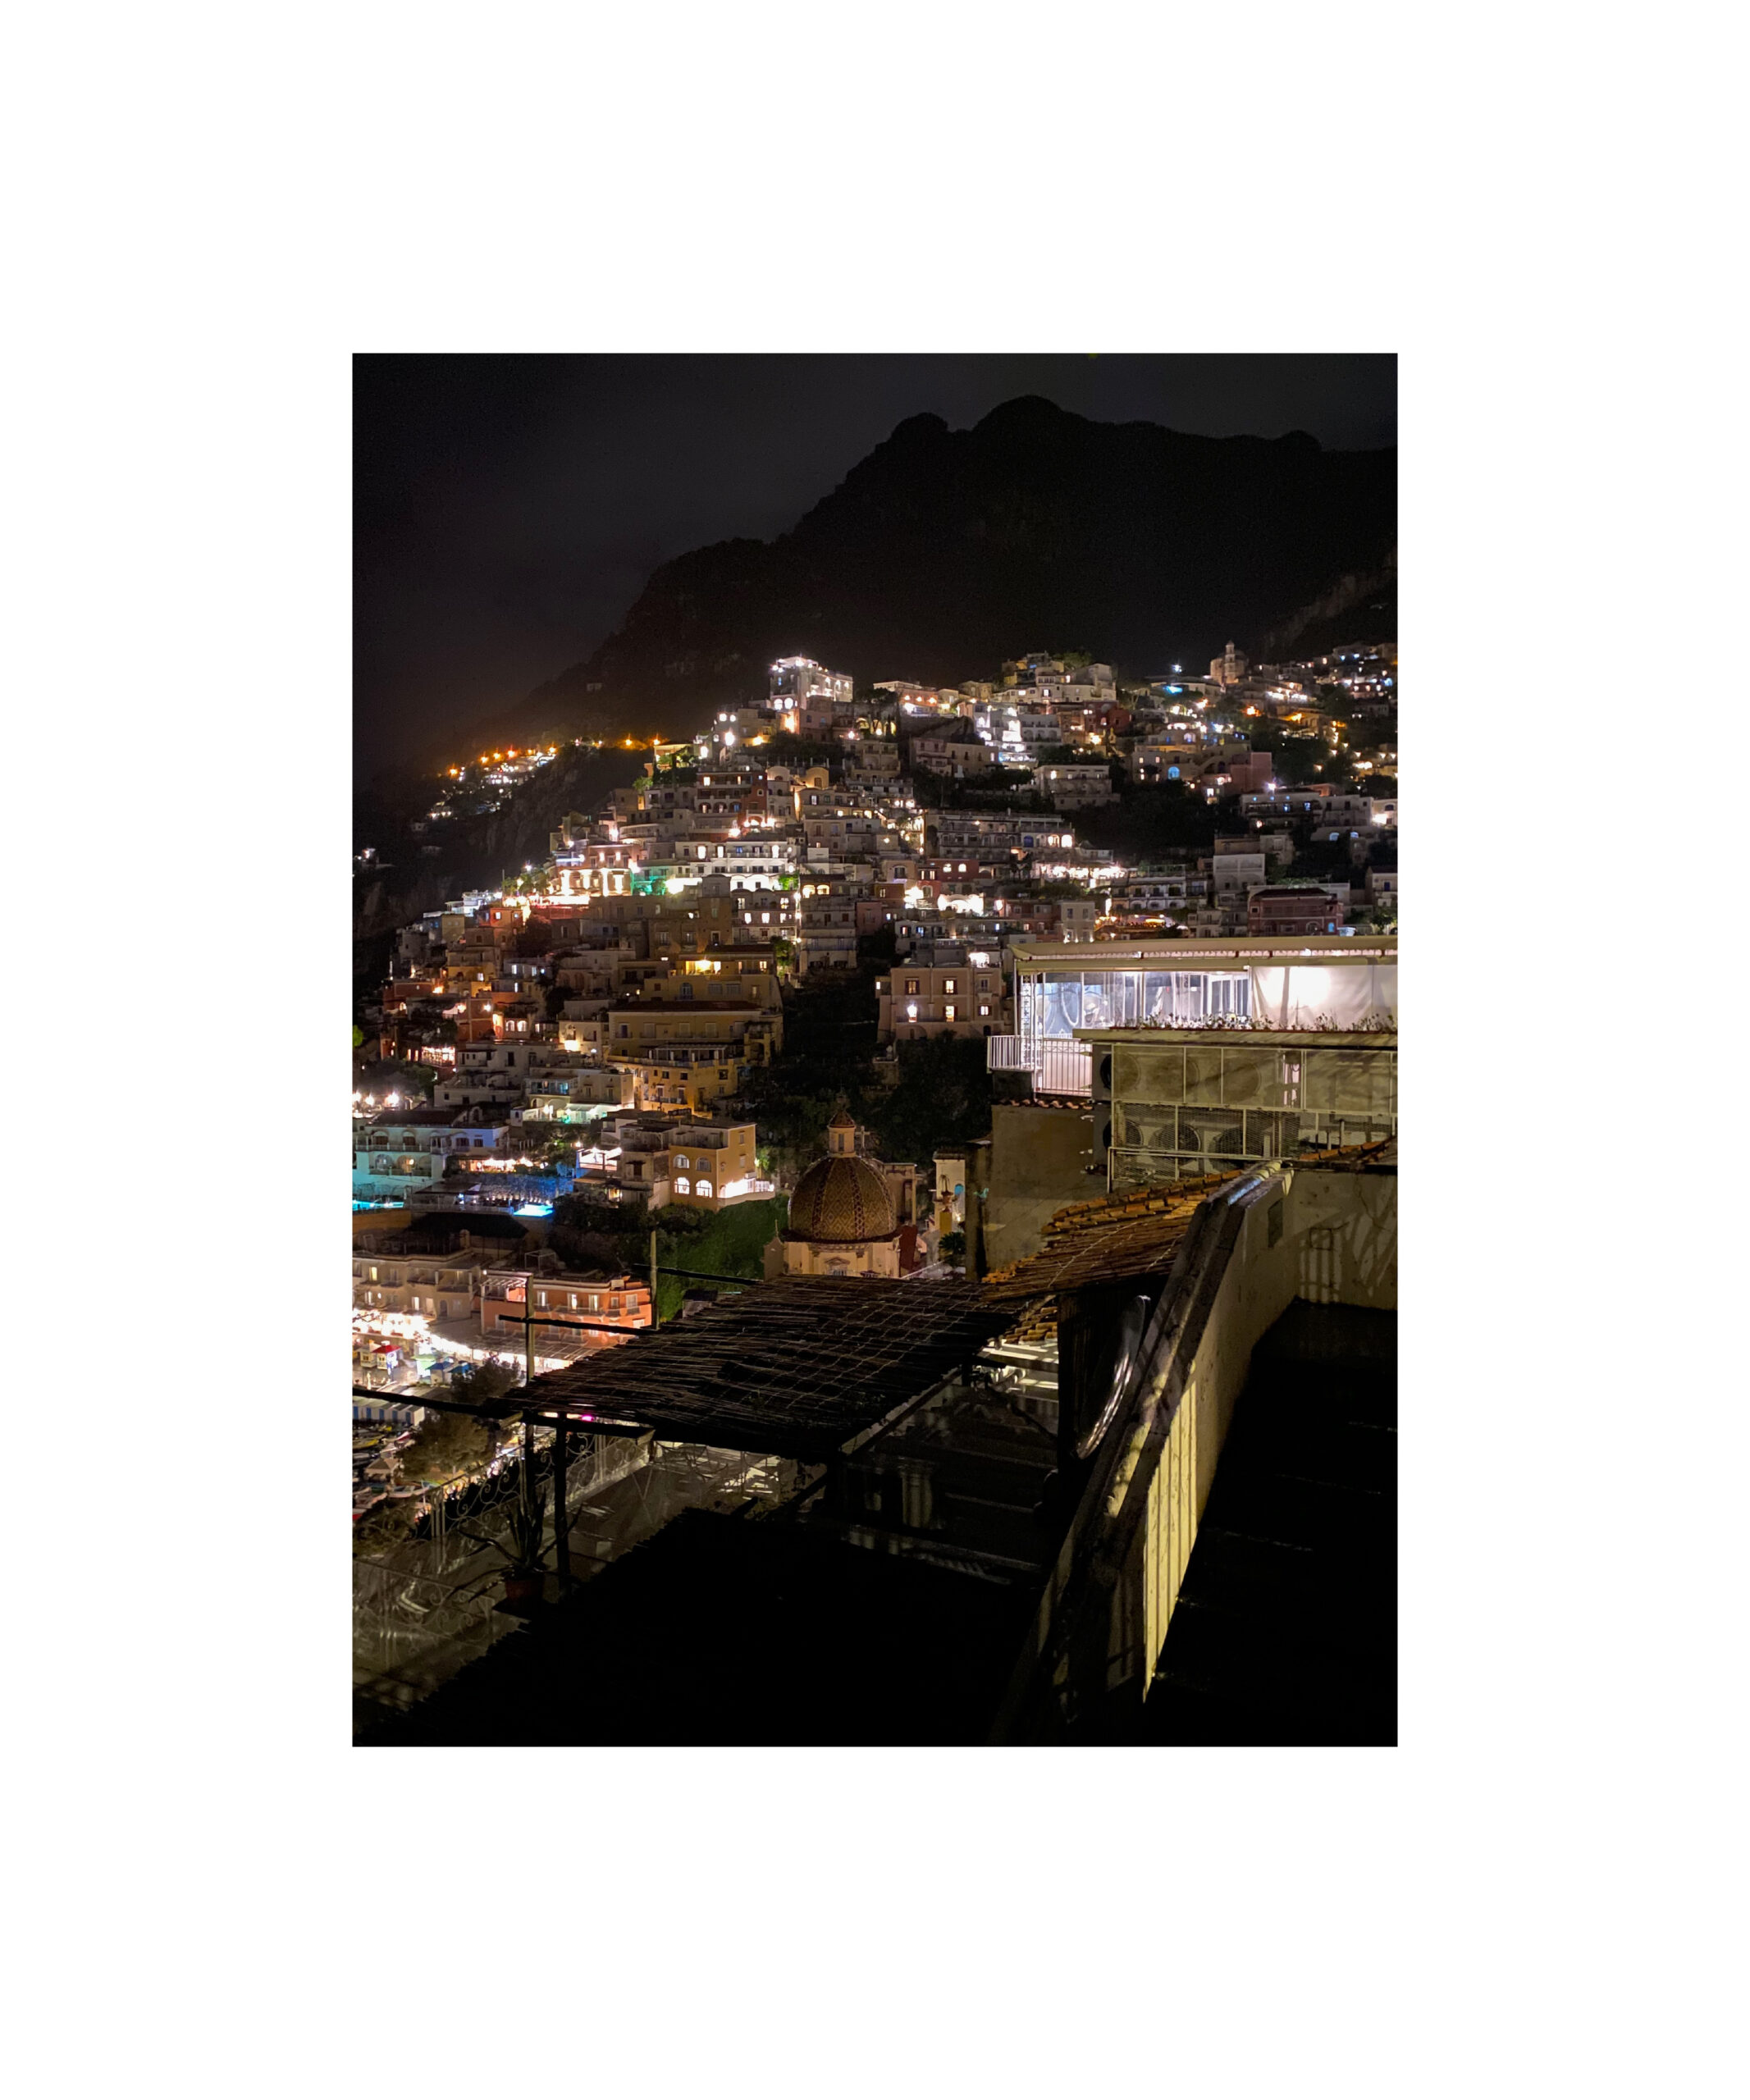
[[842, 1199]]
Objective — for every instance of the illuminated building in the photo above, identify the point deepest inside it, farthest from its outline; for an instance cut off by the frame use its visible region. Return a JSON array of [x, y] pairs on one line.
[[804, 694], [956, 756], [510, 1287], [431, 1271], [1297, 908], [745, 1022], [1239, 864], [1018, 733], [1230, 667], [1382, 888], [921, 1000], [660, 1159], [1313, 802], [761, 862], [1075, 787], [403, 1153], [972, 834]]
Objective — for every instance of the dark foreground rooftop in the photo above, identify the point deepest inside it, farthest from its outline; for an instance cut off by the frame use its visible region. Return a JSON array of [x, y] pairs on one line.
[[743, 1630]]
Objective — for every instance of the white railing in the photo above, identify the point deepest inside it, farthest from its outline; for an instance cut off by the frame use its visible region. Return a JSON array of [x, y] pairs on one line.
[[1058, 1066]]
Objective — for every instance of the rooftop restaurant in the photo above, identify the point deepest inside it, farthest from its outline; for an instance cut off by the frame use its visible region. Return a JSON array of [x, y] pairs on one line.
[[1331, 983]]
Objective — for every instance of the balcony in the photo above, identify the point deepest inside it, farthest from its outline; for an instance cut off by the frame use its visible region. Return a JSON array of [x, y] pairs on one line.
[[1058, 1066]]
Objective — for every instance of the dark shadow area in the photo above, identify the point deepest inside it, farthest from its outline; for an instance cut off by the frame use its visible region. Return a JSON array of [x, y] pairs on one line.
[[1286, 1629], [745, 1630]]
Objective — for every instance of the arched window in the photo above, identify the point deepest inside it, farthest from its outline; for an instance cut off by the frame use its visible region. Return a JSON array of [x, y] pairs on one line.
[[705, 1187], [682, 1186]]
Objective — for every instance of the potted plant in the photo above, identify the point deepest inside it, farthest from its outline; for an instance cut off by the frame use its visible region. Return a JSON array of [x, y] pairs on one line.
[[525, 1576]]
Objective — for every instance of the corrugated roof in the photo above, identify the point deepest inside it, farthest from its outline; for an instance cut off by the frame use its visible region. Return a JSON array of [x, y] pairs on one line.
[[1108, 1239]]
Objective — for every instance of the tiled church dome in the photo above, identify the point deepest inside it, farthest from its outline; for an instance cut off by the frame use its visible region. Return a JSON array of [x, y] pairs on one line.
[[842, 1199]]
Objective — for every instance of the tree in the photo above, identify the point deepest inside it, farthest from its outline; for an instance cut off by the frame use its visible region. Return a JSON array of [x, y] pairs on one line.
[[551, 1145], [1296, 761], [445, 1445], [943, 1098], [587, 1213], [1146, 822], [1318, 860]]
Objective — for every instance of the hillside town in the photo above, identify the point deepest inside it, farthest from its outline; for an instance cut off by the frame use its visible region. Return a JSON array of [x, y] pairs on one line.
[[894, 983], [591, 1028]]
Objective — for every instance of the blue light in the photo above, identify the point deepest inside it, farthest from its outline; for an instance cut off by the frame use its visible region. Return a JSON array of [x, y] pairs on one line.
[[532, 1210]]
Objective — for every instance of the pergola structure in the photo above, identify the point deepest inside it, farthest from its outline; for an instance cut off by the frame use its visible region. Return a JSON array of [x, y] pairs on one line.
[[808, 1368]]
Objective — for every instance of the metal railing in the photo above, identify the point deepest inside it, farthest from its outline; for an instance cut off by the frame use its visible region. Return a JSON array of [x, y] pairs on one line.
[[1058, 1066]]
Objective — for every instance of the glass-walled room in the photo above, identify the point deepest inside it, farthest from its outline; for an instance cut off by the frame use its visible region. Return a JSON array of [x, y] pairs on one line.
[[1054, 1003]]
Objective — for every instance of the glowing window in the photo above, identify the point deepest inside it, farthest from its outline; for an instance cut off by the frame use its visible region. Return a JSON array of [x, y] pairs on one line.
[[705, 1187], [683, 1187]]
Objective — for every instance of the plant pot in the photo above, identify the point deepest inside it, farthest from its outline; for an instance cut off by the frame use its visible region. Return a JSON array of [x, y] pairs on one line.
[[522, 1591]]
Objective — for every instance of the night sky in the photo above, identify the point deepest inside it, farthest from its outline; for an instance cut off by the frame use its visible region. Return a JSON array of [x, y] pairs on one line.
[[508, 510]]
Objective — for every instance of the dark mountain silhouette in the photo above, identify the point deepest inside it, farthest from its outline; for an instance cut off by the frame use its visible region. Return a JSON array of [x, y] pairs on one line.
[[945, 551]]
